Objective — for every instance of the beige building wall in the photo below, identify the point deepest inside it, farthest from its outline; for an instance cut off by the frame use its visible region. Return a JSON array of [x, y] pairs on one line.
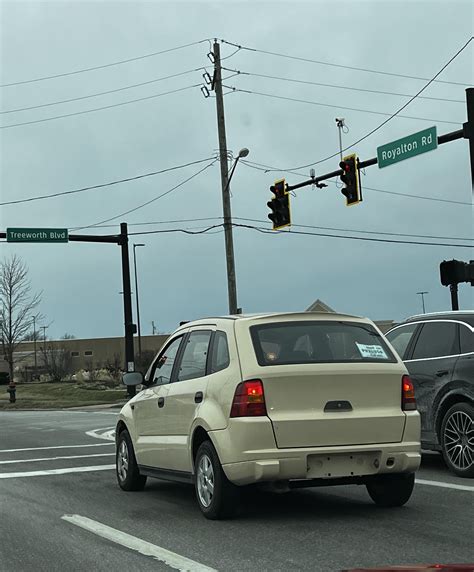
[[84, 353]]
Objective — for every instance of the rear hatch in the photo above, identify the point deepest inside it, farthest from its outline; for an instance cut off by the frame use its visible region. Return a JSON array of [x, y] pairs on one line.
[[329, 383]]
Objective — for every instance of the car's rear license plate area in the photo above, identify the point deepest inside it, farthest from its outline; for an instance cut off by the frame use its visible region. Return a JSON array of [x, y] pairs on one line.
[[343, 465]]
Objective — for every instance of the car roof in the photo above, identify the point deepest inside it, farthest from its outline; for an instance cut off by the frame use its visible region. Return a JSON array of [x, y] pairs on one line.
[[466, 316], [262, 316]]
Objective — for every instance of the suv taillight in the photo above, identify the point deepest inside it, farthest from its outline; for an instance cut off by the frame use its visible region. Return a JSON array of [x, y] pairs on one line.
[[408, 394], [249, 399]]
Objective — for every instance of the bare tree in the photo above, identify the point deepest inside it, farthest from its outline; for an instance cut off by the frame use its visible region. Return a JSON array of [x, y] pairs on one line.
[[17, 306], [57, 361]]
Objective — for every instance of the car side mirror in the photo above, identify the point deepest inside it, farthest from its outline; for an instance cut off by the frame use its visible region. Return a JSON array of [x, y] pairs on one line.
[[133, 378]]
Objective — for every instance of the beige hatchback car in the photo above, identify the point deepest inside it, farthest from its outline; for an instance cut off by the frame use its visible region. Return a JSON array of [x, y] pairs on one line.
[[287, 400]]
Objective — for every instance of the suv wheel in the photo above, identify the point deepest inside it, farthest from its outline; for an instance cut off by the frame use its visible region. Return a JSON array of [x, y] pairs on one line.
[[216, 495], [391, 490], [457, 439], [128, 475]]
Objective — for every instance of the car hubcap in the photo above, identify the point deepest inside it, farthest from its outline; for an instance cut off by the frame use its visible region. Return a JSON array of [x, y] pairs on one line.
[[459, 440], [205, 481], [122, 461]]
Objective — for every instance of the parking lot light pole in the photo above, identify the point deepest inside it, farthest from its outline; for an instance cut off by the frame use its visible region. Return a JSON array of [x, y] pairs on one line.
[[136, 298], [422, 294]]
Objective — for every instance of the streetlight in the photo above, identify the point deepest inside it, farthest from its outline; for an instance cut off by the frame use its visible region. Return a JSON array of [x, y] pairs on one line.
[[136, 298], [34, 344], [423, 299], [229, 241]]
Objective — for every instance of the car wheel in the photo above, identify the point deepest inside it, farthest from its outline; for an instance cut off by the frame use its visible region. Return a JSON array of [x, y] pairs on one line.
[[391, 490], [457, 439], [216, 495], [128, 475]]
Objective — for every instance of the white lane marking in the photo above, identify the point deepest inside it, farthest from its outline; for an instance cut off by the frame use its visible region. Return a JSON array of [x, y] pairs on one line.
[[445, 485], [108, 435], [56, 471], [54, 447], [9, 462], [172, 559]]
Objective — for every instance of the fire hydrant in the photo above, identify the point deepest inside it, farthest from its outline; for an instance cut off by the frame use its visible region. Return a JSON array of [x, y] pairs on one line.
[[12, 391]]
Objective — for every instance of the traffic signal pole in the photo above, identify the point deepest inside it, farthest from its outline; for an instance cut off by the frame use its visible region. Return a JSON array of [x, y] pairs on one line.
[[229, 241], [446, 138], [122, 241], [468, 128], [467, 132]]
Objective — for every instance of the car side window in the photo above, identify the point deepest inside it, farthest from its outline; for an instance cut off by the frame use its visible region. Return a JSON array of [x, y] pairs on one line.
[[194, 357], [466, 338], [220, 352], [437, 339], [401, 337], [163, 366]]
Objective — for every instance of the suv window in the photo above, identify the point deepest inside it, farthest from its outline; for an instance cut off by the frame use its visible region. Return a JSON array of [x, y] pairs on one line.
[[220, 352], [466, 338], [194, 358], [400, 338], [163, 366], [318, 342], [437, 339]]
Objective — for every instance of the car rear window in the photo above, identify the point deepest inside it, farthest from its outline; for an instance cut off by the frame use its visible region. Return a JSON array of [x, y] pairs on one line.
[[318, 342]]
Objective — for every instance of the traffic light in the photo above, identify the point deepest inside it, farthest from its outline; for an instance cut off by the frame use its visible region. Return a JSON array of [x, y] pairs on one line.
[[280, 205], [350, 177], [456, 271]]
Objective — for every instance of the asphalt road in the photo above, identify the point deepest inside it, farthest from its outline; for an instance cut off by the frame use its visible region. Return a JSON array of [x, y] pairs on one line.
[[55, 518]]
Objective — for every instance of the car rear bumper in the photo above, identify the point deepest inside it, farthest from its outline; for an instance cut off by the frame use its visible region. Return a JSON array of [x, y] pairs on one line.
[[327, 464]]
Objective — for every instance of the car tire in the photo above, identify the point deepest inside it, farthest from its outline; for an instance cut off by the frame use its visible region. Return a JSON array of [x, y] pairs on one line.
[[215, 494], [457, 439], [126, 468], [391, 490]]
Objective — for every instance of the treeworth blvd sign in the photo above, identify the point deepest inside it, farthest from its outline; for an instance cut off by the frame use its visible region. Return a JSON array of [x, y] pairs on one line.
[[407, 147], [37, 235]]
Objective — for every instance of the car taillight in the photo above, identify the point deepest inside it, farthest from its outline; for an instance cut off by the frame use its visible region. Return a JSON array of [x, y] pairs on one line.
[[408, 394], [249, 399]]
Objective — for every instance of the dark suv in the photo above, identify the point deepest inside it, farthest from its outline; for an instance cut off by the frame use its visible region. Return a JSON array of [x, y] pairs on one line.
[[438, 351]]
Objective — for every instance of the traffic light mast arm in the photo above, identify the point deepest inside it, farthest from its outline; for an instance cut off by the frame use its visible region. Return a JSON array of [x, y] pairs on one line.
[[446, 138]]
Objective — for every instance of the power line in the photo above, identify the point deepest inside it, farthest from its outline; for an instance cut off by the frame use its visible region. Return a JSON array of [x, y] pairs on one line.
[[117, 182], [163, 222], [365, 238], [268, 169], [100, 93], [351, 88], [120, 62], [184, 230], [389, 118], [382, 233], [320, 62], [293, 225], [101, 108], [272, 95], [150, 201]]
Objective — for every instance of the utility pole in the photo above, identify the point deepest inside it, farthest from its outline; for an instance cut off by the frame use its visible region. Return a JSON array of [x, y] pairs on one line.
[[127, 305], [136, 299], [153, 327], [229, 242]]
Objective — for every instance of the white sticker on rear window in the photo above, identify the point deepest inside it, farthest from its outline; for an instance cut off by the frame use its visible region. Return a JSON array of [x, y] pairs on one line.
[[374, 351]]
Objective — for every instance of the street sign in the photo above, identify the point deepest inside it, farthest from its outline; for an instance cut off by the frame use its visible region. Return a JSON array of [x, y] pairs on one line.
[[407, 147], [37, 235]]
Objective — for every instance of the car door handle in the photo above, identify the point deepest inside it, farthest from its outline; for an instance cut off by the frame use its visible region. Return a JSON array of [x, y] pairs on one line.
[[198, 397], [442, 372], [161, 402]]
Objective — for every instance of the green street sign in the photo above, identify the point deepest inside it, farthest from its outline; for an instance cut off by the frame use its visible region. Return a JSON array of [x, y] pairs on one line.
[[407, 147], [37, 235]]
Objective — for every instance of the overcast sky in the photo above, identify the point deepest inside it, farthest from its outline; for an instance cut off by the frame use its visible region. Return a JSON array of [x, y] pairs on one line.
[[182, 277]]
